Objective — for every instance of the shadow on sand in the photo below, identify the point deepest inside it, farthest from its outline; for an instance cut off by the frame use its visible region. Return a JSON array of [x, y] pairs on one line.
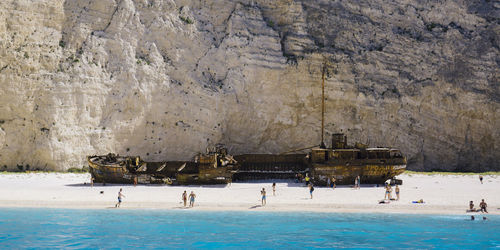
[[182, 207], [149, 185], [95, 185]]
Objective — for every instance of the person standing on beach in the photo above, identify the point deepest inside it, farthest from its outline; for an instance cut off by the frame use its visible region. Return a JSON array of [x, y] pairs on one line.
[[311, 189], [307, 179], [263, 194], [388, 191], [120, 196], [481, 179], [397, 192], [357, 182], [192, 196], [483, 206], [328, 182], [135, 180], [334, 185], [274, 188], [184, 197]]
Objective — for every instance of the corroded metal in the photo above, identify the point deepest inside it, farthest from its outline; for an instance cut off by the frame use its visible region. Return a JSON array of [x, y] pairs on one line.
[[340, 162], [269, 166], [214, 167], [345, 163]]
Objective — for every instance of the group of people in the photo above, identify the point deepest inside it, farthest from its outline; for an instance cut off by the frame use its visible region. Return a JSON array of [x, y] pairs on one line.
[[192, 196], [331, 183], [184, 198], [357, 182], [482, 207], [388, 192], [263, 194]]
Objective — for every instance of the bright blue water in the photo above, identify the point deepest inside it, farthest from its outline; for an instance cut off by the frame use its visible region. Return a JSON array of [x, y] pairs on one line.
[[119, 228]]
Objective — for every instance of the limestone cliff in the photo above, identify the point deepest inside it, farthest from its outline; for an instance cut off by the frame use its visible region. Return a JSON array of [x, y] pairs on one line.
[[165, 78]]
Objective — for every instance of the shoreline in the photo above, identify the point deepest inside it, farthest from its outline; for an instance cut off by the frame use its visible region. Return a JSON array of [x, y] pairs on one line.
[[443, 195], [431, 210], [408, 210]]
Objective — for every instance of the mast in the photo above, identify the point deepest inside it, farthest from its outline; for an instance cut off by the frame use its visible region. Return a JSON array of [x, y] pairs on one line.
[[322, 145]]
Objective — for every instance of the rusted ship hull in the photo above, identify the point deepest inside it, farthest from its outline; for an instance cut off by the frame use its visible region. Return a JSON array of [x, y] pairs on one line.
[[340, 162], [209, 177], [122, 172], [127, 170], [288, 166], [252, 167], [345, 175], [270, 166], [107, 173]]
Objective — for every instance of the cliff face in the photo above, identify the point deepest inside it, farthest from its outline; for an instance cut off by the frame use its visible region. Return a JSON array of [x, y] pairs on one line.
[[164, 79]]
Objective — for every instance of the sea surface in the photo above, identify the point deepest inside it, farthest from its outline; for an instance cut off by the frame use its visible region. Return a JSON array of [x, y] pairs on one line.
[[121, 228]]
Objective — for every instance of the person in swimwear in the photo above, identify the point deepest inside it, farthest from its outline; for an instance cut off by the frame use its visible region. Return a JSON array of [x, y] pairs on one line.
[[120, 196], [263, 194], [388, 190], [471, 206], [397, 192], [192, 196], [184, 197], [483, 206], [311, 189]]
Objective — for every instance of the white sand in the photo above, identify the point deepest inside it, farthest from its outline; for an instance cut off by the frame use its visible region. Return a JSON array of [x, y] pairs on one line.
[[443, 194]]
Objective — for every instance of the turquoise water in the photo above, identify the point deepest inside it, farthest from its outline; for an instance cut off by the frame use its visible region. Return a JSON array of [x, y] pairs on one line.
[[120, 228]]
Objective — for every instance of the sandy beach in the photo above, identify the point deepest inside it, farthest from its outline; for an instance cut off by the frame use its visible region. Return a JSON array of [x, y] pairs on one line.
[[442, 194]]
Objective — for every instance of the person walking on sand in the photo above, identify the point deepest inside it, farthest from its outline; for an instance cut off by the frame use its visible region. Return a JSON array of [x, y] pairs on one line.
[[328, 182], [311, 189], [483, 206], [184, 197], [263, 194], [481, 179], [120, 196], [397, 192], [274, 188], [358, 182], [307, 179], [192, 196], [333, 183]]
